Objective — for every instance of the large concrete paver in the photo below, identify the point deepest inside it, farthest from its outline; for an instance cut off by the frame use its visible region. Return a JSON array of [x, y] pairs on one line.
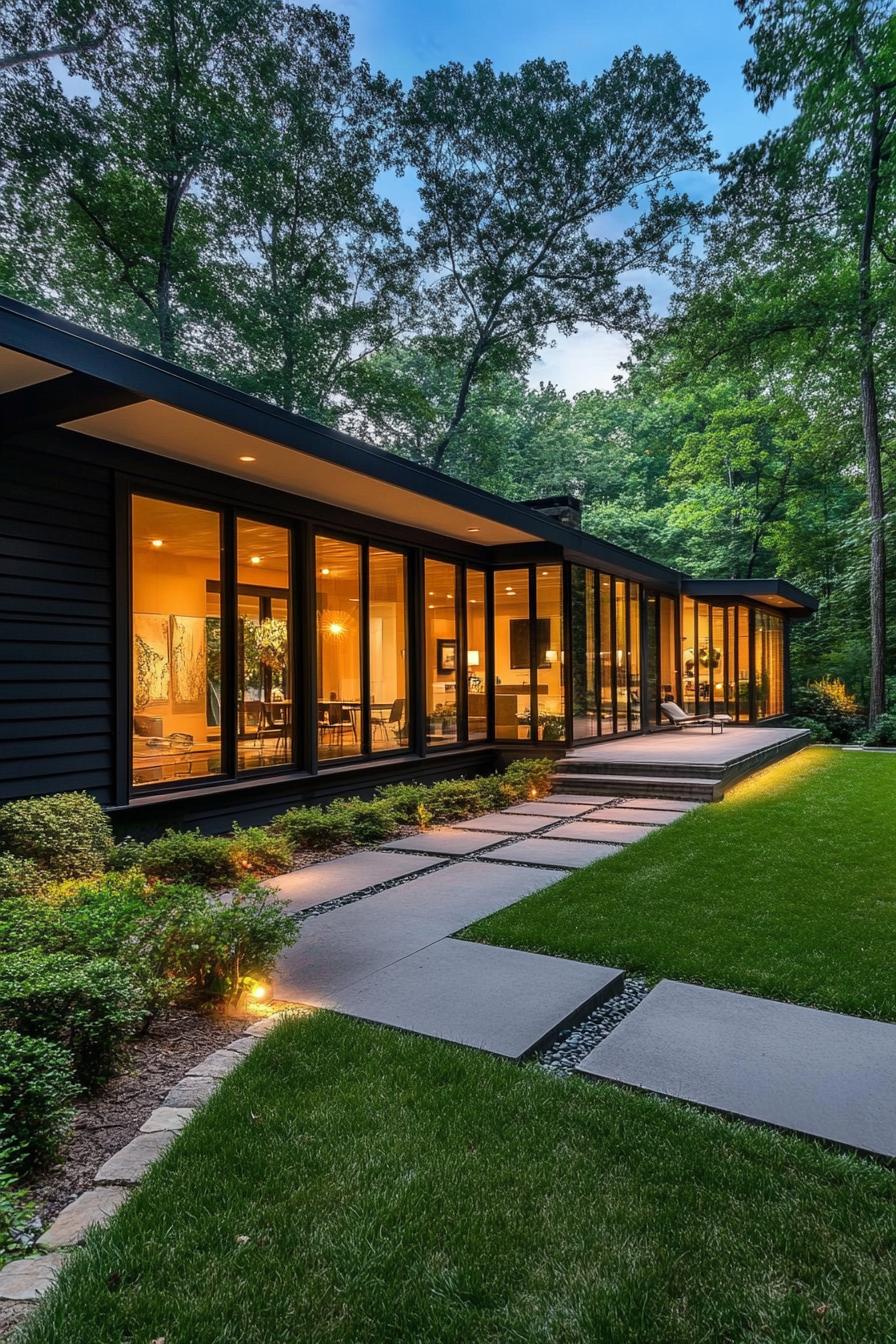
[[544, 850], [653, 816], [492, 998], [338, 948], [662, 804], [510, 823], [601, 828], [447, 840], [594, 800], [821, 1074], [321, 882], [549, 808]]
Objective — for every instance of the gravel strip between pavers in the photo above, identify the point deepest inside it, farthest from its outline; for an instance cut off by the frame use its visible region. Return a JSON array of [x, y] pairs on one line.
[[579, 1040]]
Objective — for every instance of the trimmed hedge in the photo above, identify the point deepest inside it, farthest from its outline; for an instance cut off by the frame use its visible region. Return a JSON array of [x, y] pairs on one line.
[[89, 1007], [66, 834], [37, 1087]]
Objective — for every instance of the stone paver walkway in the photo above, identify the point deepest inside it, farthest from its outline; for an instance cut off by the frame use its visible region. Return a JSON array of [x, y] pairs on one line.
[[820, 1074], [345, 876]]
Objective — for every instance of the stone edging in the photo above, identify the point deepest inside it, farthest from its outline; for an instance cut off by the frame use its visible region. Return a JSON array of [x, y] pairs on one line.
[[26, 1279]]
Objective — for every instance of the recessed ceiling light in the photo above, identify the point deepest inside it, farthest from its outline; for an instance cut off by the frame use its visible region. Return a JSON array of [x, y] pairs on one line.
[[255, 559], [325, 572], [158, 543], [246, 457], [544, 573], [449, 594], [431, 606], [472, 529]]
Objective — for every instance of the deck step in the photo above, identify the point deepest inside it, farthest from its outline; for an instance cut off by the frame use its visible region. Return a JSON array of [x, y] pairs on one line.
[[586, 765], [638, 786]]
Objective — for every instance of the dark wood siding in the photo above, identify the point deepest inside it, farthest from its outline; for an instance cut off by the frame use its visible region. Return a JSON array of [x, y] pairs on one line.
[[56, 622]]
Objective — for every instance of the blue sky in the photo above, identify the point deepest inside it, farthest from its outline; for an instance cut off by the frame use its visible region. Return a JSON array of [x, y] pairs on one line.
[[404, 38]]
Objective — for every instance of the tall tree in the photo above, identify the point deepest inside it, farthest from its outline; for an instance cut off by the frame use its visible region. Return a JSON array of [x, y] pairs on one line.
[[518, 174], [811, 206]]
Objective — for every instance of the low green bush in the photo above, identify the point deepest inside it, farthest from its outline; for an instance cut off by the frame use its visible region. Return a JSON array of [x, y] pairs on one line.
[[127, 853], [883, 734], [215, 946], [403, 801], [37, 1087], [89, 1007], [529, 778], [16, 1211], [827, 701], [260, 851], [22, 877], [190, 856], [820, 731], [313, 827], [68, 834], [454, 799], [366, 823]]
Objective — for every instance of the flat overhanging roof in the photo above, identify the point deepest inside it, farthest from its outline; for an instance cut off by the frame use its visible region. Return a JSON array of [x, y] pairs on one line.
[[771, 592]]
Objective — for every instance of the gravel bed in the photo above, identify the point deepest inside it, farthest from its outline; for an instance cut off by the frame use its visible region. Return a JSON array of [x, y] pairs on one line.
[[577, 1041]]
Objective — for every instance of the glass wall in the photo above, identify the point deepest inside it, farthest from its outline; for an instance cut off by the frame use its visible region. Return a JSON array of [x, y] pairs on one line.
[[387, 639], [634, 656], [264, 687], [441, 652], [583, 651], [338, 586], [742, 655], [551, 720], [513, 656], [607, 666], [668, 653], [477, 656], [768, 640], [176, 633], [718, 662]]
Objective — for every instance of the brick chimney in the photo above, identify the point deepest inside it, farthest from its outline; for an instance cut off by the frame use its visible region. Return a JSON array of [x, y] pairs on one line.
[[563, 509]]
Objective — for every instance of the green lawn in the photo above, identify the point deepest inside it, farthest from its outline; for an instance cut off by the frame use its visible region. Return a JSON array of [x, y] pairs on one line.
[[785, 889], [354, 1184]]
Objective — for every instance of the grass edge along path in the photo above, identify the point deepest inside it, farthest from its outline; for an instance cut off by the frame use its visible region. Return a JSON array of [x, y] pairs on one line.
[[786, 889], [350, 1183]]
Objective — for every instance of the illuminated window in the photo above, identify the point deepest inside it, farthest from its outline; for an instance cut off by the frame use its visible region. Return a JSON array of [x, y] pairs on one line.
[[440, 626], [513, 656], [176, 630], [477, 721], [264, 689], [551, 655], [607, 669], [634, 654], [388, 638], [338, 586], [584, 653]]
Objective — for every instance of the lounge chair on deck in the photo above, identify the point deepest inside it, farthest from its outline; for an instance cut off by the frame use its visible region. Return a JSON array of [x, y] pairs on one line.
[[680, 719]]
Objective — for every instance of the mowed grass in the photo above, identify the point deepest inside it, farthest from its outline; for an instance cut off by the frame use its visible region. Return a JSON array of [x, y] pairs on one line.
[[786, 889], [354, 1184]]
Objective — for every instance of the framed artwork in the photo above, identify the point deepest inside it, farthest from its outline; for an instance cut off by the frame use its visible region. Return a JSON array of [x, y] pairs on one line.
[[152, 666], [188, 664], [446, 656], [519, 642]]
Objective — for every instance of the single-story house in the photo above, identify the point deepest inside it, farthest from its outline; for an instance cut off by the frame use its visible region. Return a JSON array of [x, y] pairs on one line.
[[212, 608]]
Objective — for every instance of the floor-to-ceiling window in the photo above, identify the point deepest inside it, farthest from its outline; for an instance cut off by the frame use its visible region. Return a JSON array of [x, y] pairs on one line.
[[477, 656], [176, 715], [717, 670], [668, 649], [551, 718], [513, 656], [583, 652], [743, 664], [442, 651], [634, 655], [387, 641], [769, 663], [264, 674], [338, 587], [607, 659]]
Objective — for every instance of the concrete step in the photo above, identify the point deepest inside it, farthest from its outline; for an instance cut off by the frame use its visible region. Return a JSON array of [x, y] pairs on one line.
[[638, 786], [588, 765]]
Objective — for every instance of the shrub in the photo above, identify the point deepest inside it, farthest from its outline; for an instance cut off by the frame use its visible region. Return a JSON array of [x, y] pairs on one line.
[[26, 922], [37, 1087], [883, 734], [22, 877], [215, 946], [313, 827], [830, 703], [68, 834], [90, 1007], [128, 853], [454, 799], [527, 779], [403, 800], [820, 731], [366, 823], [260, 851], [191, 857], [16, 1213]]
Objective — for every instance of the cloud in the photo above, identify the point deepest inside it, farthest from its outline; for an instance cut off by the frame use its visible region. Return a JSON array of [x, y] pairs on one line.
[[581, 362]]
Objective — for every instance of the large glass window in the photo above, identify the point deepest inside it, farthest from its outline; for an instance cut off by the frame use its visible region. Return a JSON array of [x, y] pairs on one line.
[[607, 667], [584, 653], [264, 696], [513, 656], [621, 609], [477, 717], [743, 664], [689, 655], [668, 649], [716, 669], [176, 606], [388, 643], [769, 662], [551, 656], [442, 670], [338, 586], [634, 656]]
